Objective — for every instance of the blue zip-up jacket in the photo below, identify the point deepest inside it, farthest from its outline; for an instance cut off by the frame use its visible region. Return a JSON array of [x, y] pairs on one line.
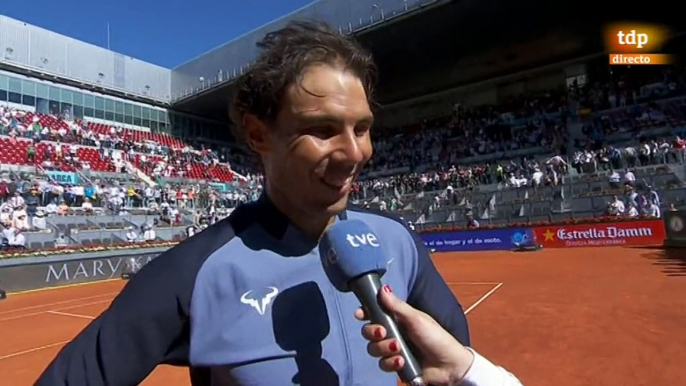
[[246, 302]]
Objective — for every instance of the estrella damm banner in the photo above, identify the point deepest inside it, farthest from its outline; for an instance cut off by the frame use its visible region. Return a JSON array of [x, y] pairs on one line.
[[640, 232]]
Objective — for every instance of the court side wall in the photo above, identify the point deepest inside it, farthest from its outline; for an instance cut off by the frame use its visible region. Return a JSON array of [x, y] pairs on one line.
[[568, 235], [31, 273]]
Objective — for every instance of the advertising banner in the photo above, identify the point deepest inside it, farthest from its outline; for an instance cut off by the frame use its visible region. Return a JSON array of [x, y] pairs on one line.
[[219, 186], [65, 178], [645, 232], [478, 239], [55, 274]]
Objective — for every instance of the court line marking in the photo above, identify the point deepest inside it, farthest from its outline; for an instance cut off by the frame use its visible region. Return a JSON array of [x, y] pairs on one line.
[[489, 293], [71, 315], [55, 303], [62, 286], [59, 309], [467, 311], [31, 350], [472, 283]]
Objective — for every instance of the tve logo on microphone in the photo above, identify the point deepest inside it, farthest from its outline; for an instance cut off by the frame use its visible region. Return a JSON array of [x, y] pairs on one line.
[[364, 239]]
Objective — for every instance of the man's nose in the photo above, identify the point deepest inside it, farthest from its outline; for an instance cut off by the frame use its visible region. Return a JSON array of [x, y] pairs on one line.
[[350, 147]]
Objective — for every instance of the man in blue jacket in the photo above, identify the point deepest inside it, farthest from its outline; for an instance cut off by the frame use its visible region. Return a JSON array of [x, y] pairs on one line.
[[246, 301]]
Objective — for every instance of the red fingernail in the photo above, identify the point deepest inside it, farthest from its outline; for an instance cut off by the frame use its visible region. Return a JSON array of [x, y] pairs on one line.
[[378, 334], [393, 346], [387, 288], [396, 362]]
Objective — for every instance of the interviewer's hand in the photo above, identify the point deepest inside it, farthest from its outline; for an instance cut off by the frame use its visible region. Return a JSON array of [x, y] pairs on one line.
[[444, 360]]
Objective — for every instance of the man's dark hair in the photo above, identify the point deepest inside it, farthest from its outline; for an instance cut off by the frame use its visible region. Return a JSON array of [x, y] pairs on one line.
[[284, 55]]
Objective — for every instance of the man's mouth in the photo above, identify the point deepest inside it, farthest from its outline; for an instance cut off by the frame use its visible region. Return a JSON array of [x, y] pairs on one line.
[[337, 183]]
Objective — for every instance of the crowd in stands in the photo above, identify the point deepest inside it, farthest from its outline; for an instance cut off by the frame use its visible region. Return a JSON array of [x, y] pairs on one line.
[[433, 148], [27, 204], [430, 154], [634, 204], [57, 143]]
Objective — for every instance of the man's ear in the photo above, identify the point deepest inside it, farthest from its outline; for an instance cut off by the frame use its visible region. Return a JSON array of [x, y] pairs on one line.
[[257, 134]]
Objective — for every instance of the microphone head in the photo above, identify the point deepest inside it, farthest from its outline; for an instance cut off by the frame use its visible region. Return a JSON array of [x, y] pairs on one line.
[[348, 250]]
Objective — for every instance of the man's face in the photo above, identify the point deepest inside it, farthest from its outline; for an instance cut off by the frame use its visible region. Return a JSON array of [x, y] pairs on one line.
[[320, 140]]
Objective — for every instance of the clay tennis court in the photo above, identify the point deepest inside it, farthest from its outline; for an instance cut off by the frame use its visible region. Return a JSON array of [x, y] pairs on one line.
[[574, 317]]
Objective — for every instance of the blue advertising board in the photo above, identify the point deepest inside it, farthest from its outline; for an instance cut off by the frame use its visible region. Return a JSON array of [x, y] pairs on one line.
[[478, 239], [65, 178], [219, 186]]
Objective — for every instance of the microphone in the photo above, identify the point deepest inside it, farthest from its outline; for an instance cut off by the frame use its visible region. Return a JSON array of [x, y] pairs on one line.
[[353, 260]]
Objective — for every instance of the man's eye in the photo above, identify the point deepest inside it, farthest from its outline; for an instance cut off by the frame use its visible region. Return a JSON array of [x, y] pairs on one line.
[[320, 131], [361, 130]]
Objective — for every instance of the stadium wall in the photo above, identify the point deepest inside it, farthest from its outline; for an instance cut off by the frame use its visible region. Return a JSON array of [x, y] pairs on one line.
[[36, 49], [630, 233], [31, 273]]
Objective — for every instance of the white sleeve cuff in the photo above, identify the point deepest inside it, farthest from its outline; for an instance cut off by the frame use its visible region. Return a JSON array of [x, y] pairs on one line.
[[485, 373]]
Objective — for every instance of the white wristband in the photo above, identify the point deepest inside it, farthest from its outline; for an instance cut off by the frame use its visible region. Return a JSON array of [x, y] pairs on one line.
[[484, 373]]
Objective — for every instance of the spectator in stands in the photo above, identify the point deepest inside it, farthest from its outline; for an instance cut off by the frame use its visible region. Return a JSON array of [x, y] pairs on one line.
[[654, 209], [131, 235], [31, 153], [615, 180], [653, 196], [558, 164], [87, 206], [471, 221], [4, 192], [617, 206], [191, 230], [17, 200], [629, 177], [537, 177], [115, 199], [38, 221], [148, 233], [631, 195], [7, 234], [680, 150], [51, 209], [6, 212], [20, 219], [632, 212], [32, 202], [12, 237], [19, 240], [62, 208]]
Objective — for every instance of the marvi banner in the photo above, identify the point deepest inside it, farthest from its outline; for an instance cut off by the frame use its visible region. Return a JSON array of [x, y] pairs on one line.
[[647, 232]]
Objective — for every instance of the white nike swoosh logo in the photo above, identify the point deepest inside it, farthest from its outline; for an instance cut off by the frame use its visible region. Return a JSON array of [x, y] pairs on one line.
[[390, 261]]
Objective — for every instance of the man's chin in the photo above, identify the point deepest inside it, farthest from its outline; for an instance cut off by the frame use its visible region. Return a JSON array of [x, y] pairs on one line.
[[339, 206], [334, 208]]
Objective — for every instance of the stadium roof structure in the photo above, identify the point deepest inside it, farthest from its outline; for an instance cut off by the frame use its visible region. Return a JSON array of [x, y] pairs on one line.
[[421, 47], [448, 44]]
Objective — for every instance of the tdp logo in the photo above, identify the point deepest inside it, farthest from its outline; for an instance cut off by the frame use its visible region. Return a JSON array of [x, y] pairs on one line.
[[364, 239], [639, 40]]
